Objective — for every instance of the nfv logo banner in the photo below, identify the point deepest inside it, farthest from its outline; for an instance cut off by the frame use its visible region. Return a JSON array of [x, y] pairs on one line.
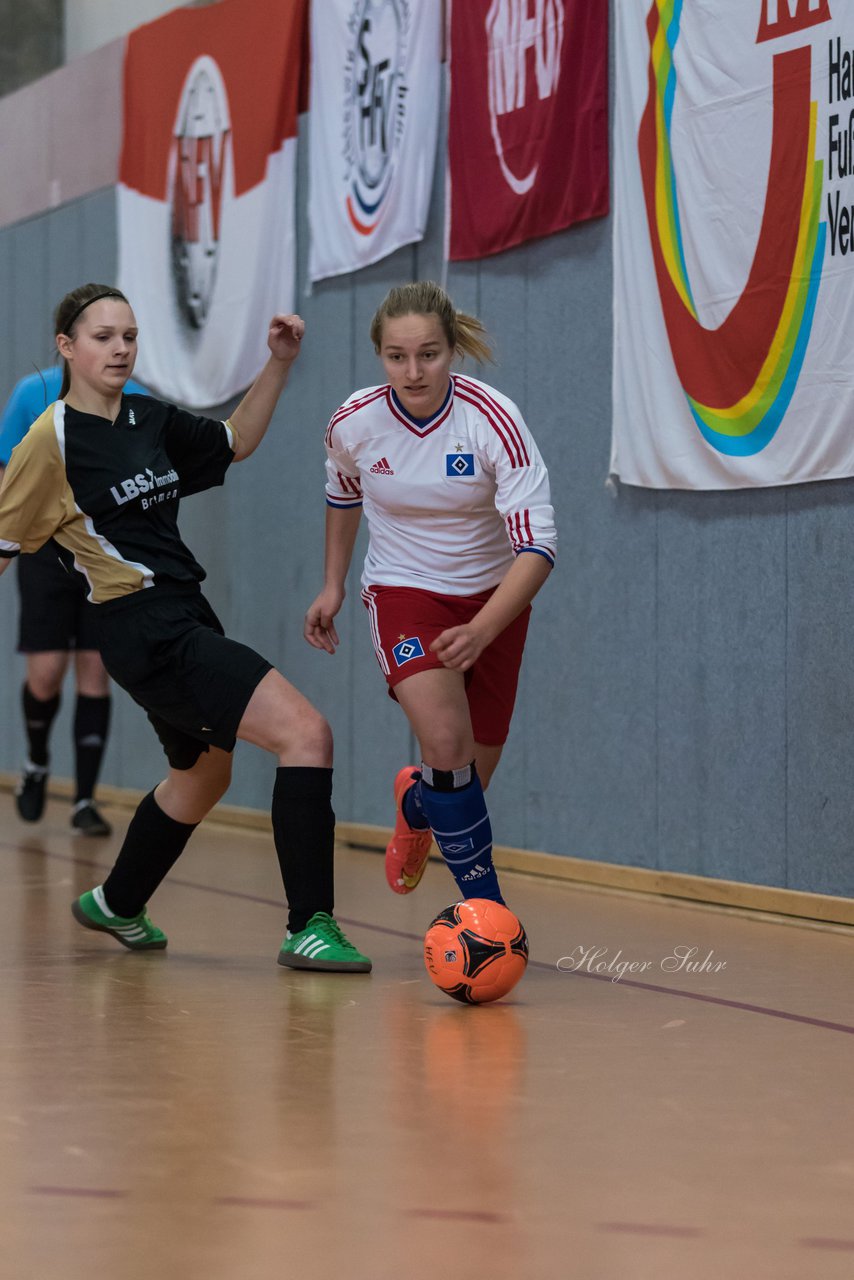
[[373, 124], [206, 190], [528, 121], [734, 244]]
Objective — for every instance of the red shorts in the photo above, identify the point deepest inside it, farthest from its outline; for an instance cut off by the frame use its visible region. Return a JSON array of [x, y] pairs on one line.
[[404, 623]]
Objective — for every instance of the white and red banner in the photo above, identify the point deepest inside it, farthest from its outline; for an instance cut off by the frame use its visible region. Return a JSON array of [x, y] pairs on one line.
[[373, 124], [528, 128], [207, 187], [734, 243]]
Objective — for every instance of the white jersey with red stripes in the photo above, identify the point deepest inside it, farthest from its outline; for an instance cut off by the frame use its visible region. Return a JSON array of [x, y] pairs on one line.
[[449, 500]]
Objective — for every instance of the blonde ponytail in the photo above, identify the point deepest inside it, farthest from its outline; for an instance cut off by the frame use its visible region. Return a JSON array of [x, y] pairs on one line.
[[465, 333]]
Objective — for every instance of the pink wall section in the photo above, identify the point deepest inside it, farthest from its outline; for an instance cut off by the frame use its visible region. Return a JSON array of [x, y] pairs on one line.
[[60, 137]]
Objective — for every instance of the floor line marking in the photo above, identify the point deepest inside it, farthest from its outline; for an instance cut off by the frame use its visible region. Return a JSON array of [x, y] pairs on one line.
[[764, 1011]]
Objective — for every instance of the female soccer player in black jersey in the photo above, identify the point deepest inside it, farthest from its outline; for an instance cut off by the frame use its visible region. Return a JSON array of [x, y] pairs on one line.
[[102, 472]]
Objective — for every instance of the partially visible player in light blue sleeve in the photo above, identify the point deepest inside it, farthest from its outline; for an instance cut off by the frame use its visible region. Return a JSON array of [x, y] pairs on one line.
[[29, 399], [55, 624]]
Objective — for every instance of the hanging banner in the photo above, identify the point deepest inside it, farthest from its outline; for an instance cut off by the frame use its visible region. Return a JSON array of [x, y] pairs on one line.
[[528, 127], [373, 123], [206, 195], [733, 243]]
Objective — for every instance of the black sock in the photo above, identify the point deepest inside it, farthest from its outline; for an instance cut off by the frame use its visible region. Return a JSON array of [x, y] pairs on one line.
[[304, 831], [91, 722], [153, 844], [38, 718]]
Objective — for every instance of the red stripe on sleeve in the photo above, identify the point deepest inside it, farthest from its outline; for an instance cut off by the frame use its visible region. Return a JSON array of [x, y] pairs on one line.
[[511, 427], [515, 458]]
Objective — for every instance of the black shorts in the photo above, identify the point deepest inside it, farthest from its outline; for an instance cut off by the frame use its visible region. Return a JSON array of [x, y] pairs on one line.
[[166, 647], [55, 613]]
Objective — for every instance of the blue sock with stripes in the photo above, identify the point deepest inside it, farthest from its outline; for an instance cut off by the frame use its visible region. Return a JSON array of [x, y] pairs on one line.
[[455, 807]]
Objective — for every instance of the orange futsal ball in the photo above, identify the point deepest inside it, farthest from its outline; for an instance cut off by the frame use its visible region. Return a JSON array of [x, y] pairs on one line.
[[476, 951]]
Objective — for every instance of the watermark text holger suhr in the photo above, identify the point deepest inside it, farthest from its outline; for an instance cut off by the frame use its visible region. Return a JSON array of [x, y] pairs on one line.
[[598, 960]]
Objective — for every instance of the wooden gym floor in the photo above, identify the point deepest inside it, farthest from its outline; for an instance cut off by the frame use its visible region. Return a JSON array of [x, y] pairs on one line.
[[204, 1113]]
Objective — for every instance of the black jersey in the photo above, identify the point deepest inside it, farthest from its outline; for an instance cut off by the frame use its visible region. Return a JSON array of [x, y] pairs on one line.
[[109, 491]]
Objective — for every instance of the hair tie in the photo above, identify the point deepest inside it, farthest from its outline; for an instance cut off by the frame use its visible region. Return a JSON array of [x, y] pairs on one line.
[[109, 293]]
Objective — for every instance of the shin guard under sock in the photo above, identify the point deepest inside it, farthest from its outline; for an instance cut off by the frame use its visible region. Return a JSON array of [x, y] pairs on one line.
[[91, 722], [455, 807], [39, 715], [304, 832], [153, 844]]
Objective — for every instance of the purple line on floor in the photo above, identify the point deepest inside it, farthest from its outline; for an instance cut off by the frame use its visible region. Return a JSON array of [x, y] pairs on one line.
[[93, 1193], [822, 1023], [458, 1215], [729, 1004], [649, 1229]]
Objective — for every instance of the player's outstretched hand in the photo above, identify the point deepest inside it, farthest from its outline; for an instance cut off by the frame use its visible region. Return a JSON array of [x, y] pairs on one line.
[[319, 627], [285, 337]]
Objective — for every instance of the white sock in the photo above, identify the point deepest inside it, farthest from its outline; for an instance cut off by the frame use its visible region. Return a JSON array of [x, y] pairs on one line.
[[98, 895]]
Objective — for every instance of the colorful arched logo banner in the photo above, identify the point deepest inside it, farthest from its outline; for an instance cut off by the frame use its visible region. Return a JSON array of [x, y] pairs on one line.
[[734, 243]]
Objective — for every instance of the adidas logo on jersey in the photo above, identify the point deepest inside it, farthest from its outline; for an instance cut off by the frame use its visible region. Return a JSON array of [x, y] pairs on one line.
[[382, 468]]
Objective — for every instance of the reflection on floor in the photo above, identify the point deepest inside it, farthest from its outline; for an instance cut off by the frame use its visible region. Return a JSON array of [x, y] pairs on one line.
[[666, 1094]]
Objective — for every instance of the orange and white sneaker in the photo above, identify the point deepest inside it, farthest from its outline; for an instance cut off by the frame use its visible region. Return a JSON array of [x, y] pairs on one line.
[[406, 852]]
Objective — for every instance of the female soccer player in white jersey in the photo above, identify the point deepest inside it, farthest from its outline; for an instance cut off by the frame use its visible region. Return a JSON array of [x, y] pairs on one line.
[[462, 537], [102, 472]]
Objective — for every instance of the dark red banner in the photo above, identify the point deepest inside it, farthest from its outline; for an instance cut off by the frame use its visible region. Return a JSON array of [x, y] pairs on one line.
[[528, 130]]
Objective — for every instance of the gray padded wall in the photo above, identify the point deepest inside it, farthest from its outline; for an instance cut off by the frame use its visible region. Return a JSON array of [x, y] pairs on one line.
[[684, 703]]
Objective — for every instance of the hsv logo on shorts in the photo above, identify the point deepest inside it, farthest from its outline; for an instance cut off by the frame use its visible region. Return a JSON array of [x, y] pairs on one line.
[[405, 650], [459, 464]]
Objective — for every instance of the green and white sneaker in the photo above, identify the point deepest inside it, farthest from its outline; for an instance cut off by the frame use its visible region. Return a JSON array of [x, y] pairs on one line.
[[135, 932], [322, 945]]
